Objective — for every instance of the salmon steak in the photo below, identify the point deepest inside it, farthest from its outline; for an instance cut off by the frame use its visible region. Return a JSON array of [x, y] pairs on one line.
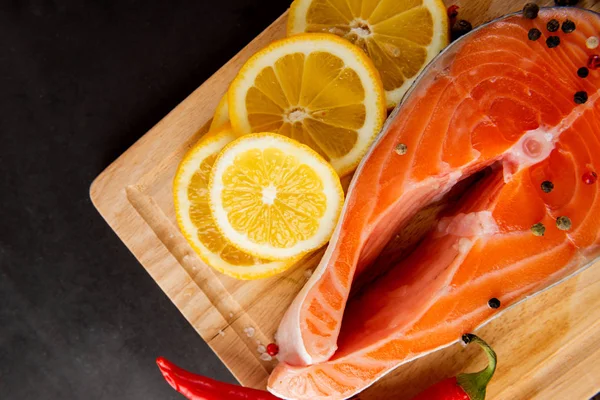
[[499, 141]]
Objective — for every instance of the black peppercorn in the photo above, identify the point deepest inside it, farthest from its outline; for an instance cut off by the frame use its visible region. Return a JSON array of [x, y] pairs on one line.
[[534, 34], [583, 72], [460, 28], [494, 303], [552, 42], [580, 97], [530, 10], [563, 3], [547, 186], [568, 26], [553, 25]]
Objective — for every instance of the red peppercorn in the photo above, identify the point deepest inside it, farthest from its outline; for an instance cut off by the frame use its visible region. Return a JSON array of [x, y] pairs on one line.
[[593, 62], [452, 11], [589, 177], [272, 349]]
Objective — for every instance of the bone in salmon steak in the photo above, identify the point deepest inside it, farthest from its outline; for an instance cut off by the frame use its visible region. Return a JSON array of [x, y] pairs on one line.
[[496, 101]]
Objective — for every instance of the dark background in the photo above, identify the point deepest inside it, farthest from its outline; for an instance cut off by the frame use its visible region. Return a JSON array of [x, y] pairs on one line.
[[80, 81]]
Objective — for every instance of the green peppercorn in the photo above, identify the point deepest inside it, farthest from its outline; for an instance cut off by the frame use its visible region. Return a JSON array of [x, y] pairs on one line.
[[401, 149], [563, 223], [538, 229]]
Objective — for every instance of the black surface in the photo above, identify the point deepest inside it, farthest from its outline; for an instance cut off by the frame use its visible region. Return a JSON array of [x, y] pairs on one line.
[[80, 81]]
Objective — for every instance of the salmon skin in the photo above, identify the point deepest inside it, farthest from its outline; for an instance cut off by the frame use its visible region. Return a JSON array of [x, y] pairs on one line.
[[493, 100]]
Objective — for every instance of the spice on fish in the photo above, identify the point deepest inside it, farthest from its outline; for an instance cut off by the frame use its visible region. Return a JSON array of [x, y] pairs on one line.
[[538, 229], [530, 10], [568, 26], [553, 25], [547, 186], [583, 72], [563, 223], [592, 42], [580, 97], [552, 41], [494, 303], [534, 34], [593, 61], [589, 177], [401, 149]]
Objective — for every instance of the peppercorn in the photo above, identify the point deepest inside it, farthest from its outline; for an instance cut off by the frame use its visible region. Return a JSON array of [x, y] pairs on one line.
[[534, 34], [530, 10], [580, 97], [593, 61], [538, 229], [272, 349], [563, 223], [494, 303], [552, 41], [401, 149], [568, 26], [547, 186], [563, 3], [583, 72], [460, 28], [452, 11], [589, 177], [553, 25]]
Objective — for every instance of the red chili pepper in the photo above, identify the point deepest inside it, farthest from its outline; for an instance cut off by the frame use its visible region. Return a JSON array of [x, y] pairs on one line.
[[198, 387], [464, 386]]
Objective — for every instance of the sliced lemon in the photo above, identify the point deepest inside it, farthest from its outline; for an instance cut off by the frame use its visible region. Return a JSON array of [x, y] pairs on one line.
[[400, 36], [273, 197], [195, 221], [221, 116], [317, 89]]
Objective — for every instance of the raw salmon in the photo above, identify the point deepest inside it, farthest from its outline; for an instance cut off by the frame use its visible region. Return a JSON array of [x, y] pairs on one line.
[[522, 116]]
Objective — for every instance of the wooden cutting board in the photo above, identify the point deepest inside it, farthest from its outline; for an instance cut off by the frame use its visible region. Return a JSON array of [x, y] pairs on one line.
[[548, 346]]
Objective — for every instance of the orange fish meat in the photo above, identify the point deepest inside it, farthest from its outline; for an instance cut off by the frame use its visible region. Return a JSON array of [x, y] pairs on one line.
[[515, 124]]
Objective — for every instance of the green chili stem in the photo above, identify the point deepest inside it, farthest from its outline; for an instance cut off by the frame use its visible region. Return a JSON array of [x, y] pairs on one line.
[[474, 384]]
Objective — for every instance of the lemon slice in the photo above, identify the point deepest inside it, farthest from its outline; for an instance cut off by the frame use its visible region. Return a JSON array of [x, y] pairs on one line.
[[273, 197], [195, 221], [317, 89], [221, 116], [400, 36]]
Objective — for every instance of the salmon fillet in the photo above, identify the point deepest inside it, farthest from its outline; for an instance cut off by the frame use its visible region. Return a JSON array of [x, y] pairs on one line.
[[494, 101]]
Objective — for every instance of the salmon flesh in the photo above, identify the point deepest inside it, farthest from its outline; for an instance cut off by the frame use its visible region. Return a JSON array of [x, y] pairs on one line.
[[495, 104]]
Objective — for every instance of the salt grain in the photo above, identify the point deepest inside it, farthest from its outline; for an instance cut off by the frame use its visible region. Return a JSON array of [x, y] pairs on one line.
[[592, 42], [221, 333], [249, 331], [230, 315], [261, 348], [265, 357]]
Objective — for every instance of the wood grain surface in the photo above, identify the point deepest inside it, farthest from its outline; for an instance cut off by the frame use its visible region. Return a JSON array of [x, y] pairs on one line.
[[548, 346]]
